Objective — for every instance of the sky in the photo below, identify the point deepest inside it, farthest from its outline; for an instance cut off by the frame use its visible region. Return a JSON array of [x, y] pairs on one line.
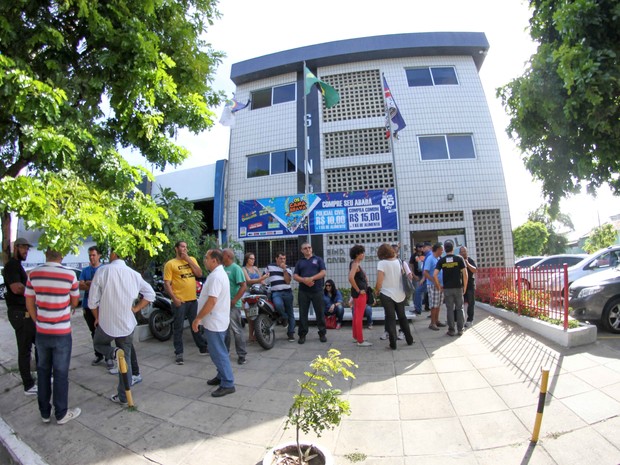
[[250, 28]]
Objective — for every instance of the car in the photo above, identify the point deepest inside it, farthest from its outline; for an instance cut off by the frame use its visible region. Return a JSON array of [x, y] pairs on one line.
[[600, 260], [536, 276], [596, 298], [526, 262]]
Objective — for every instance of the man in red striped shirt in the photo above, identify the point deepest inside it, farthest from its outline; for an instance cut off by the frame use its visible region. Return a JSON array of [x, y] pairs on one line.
[[51, 292]]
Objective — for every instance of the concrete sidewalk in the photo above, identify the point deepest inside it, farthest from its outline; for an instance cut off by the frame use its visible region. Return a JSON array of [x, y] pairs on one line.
[[468, 400]]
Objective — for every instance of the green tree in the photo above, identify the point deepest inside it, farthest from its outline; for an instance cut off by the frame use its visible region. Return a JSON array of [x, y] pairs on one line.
[[556, 242], [530, 239], [81, 80], [601, 237], [564, 110]]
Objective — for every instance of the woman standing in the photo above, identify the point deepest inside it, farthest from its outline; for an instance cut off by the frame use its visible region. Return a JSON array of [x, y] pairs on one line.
[[334, 303], [390, 290], [359, 285], [252, 276]]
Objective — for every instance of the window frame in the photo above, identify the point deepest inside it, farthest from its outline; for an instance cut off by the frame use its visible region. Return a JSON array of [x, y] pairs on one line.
[[447, 147], [272, 97], [432, 76], [287, 158]]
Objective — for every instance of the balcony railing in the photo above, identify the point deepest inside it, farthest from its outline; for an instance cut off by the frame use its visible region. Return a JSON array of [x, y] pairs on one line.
[[542, 292]]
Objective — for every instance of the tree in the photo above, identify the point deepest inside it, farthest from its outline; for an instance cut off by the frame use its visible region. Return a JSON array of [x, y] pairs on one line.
[[601, 237], [530, 239], [564, 110], [81, 80], [556, 243]]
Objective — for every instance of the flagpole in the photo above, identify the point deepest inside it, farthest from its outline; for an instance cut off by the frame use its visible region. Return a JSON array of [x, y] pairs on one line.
[[306, 173], [389, 121]]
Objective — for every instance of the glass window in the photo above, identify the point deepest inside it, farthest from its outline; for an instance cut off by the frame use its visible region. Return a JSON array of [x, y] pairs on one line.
[[258, 165], [261, 98], [283, 94], [433, 148], [419, 77], [461, 147], [444, 76], [283, 162]]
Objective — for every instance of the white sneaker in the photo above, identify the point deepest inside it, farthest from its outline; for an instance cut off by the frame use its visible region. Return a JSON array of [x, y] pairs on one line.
[[71, 414], [135, 379], [364, 344], [401, 335], [32, 391], [385, 336], [468, 324]]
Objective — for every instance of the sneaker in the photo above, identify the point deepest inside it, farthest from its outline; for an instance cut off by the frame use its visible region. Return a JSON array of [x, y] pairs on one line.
[[401, 335], [338, 326], [469, 324], [112, 364], [384, 336], [433, 327], [179, 359], [135, 379], [364, 344], [97, 360], [45, 420], [301, 339], [32, 391], [291, 337], [204, 351], [369, 326], [451, 332], [322, 338], [441, 325], [223, 391], [71, 414], [117, 400], [242, 361], [214, 381]]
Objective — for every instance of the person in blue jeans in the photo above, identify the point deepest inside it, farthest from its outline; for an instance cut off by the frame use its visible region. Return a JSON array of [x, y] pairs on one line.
[[279, 278], [334, 303]]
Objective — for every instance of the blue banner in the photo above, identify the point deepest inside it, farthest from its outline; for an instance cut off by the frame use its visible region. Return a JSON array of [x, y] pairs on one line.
[[325, 213]]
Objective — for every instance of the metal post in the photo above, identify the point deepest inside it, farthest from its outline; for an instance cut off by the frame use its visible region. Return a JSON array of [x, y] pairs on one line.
[[541, 403]]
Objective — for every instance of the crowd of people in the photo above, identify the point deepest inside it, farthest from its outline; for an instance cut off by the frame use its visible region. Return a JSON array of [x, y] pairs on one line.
[[40, 305]]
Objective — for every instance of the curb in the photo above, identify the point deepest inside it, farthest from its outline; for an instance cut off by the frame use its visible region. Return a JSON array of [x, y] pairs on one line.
[[13, 451]]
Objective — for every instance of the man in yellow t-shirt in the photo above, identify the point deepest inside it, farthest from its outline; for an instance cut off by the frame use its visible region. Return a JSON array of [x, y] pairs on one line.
[[180, 275]]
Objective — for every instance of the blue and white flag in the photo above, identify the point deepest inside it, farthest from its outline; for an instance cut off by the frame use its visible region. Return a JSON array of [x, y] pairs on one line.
[[392, 113], [228, 114]]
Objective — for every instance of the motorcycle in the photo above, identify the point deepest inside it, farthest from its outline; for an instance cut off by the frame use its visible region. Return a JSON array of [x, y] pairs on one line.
[[259, 308], [160, 317]]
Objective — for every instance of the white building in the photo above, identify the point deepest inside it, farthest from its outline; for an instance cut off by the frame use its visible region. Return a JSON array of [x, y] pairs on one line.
[[445, 166]]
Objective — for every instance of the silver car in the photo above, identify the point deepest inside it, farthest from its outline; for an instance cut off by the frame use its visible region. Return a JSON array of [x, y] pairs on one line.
[[596, 298]]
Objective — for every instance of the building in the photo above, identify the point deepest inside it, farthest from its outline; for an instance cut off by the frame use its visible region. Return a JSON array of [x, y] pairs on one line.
[[445, 167]]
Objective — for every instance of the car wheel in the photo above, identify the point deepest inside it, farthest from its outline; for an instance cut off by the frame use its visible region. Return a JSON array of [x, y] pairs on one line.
[[611, 316]]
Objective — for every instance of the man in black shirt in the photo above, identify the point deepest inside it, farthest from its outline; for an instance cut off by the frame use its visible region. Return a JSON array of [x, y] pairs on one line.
[[454, 281], [15, 278], [470, 291]]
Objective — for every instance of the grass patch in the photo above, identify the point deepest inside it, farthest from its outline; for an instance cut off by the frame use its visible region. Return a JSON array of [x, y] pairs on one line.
[[356, 457]]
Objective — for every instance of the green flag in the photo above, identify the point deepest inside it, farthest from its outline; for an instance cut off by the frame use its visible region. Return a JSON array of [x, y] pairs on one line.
[[330, 94]]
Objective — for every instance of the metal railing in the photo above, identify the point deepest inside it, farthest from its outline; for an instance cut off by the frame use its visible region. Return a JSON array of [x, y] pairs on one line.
[[530, 292]]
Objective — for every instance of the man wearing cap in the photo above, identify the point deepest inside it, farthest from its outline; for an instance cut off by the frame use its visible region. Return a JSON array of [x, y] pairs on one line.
[[15, 278]]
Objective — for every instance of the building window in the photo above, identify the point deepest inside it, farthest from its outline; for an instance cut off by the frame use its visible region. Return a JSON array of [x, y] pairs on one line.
[[447, 147], [272, 96], [265, 164], [443, 76]]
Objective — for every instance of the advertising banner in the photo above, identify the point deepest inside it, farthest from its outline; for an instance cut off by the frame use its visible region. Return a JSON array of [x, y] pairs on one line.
[[323, 213]]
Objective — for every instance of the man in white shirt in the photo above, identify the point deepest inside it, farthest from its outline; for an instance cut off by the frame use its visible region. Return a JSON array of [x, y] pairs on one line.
[[113, 291], [214, 315]]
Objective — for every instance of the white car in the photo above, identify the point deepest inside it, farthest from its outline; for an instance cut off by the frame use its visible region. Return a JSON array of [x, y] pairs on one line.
[[603, 259], [536, 276]]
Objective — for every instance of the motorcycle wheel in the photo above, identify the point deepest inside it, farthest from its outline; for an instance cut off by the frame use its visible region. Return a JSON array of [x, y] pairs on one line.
[[160, 324], [264, 329]]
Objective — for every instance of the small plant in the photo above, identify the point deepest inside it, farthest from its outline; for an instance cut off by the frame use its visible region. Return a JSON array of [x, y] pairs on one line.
[[356, 457], [318, 406]]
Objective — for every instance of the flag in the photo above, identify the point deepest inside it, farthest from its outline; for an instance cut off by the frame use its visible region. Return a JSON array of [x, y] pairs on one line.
[[228, 114], [391, 113], [330, 95]]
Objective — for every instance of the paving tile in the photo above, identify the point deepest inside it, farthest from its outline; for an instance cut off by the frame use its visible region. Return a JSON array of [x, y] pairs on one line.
[[425, 406], [485, 360], [246, 426], [518, 394], [498, 376], [167, 443], [576, 362], [451, 364], [494, 429], [449, 438], [415, 368], [416, 384], [593, 406], [462, 458], [475, 401], [598, 450], [598, 376], [222, 451], [367, 384], [557, 418], [363, 434], [267, 401], [462, 380], [202, 416], [566, 385], [515, 454], [609, 430], [374, 407]]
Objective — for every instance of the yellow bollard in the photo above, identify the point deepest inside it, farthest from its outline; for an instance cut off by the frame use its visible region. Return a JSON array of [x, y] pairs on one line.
[[122, 367], [541, 403]]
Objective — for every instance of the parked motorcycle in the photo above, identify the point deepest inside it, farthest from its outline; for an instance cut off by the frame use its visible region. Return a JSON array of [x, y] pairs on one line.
[[160, 317], [259, 308]]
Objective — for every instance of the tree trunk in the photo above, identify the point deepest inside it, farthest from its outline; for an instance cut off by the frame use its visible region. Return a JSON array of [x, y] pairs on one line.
[[5, 220]]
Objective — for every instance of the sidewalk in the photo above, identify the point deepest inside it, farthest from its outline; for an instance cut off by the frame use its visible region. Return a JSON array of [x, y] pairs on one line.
[[445, 400]]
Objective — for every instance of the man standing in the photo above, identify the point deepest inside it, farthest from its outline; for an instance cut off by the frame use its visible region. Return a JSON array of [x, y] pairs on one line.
[[433, 280], [454, 282], [113, 291], [51, 292], [180, 275], [86, 278], [415, 263], [15, 278], [237, 286], [309, 273], [470, 290], [281, 294], [214, 316]]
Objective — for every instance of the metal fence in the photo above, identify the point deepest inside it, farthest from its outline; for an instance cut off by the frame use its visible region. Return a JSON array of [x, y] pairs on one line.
[[541, 292]]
